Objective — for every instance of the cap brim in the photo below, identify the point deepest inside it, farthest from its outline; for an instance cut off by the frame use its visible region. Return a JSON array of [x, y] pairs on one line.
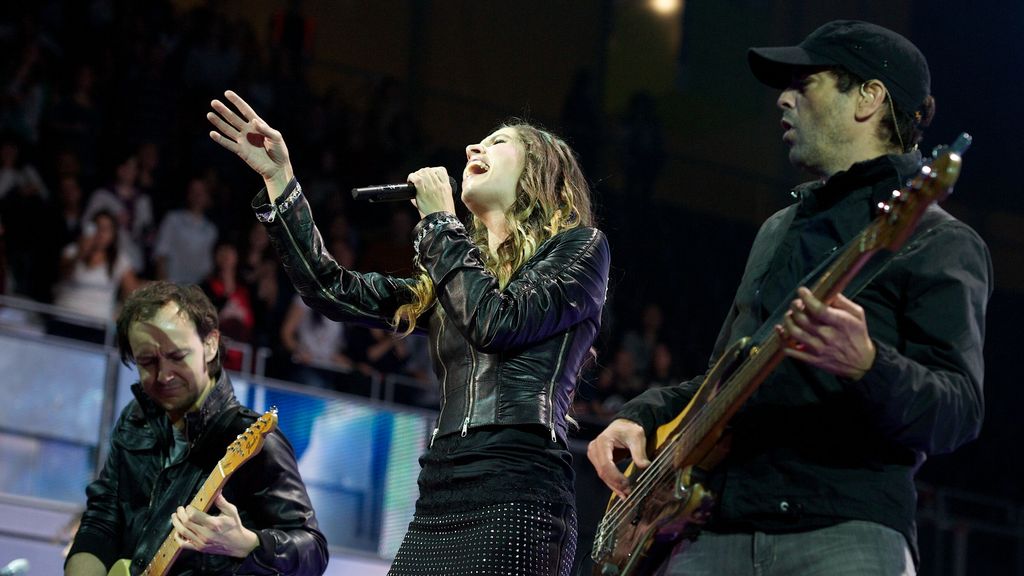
[[774, 66]]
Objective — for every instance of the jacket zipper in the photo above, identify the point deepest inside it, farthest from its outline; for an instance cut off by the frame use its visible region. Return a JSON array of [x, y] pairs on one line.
[[312, 274], [472, 392], [551, 386], [156, 481], [444, 377], [331, 297]]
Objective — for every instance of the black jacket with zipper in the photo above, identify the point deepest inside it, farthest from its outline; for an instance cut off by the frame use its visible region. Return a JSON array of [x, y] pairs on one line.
[[128, 513], [502, 356]]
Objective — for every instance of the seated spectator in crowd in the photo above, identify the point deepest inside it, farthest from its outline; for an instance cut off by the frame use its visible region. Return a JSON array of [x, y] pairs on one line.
[[316, 347], [151, 176], [16, 172], [231, 298], [69, 209], [641, 342], [94, 271], [183, 252], [616, 384], [662, 371], [132, 208], [258, 269], [386, 353]]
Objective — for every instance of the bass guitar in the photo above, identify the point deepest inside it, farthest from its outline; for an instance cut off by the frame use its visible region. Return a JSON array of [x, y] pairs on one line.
[[245, 446], [668, 500]]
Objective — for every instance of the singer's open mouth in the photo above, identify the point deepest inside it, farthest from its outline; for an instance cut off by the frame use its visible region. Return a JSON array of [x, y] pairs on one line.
[[477, 166]]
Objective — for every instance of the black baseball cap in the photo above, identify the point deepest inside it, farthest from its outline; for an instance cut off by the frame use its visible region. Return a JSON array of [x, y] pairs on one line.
[[867, 50]]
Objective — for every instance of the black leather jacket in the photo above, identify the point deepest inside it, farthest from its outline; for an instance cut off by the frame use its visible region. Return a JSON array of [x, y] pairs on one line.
[[129, 508], [503, 356]]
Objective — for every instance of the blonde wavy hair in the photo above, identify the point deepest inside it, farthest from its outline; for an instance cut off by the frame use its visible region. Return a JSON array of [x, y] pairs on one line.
[[552, 196]]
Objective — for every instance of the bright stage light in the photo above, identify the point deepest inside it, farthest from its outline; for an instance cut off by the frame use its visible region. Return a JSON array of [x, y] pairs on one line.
[[665, 7]]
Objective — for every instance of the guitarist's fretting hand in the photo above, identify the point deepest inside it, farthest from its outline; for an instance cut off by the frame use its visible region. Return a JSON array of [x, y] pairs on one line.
[[620, 437], [833, 338], [223, 534]]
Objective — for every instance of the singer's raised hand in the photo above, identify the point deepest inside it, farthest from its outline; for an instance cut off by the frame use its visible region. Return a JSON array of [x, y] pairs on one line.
[[433, 191], [253, 140]]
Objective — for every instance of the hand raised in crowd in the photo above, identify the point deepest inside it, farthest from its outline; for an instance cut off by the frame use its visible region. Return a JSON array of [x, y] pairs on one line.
[[833, 338], [253, 140], [620, 439], [223, 534], [433, 191]]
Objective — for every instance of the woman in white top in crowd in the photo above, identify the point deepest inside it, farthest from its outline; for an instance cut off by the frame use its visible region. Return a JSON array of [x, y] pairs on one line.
[[94, 270]]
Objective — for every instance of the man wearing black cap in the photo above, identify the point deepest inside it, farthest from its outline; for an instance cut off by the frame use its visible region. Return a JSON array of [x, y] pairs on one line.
[[819, 479]]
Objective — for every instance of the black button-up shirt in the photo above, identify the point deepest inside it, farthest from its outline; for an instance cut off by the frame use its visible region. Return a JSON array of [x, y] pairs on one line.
[[810, 449]]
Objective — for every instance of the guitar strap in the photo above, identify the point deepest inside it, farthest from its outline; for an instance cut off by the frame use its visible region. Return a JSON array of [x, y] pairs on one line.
[[875, 266]]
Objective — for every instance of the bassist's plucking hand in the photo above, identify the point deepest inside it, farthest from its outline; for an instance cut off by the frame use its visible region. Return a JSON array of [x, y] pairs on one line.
[[620, 439]]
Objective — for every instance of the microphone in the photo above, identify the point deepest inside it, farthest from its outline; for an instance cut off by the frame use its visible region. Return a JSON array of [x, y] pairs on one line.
[[15, 568], [391, 193]]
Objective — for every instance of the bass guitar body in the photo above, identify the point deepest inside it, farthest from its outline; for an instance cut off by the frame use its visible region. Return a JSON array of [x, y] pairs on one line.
[[674, 500]]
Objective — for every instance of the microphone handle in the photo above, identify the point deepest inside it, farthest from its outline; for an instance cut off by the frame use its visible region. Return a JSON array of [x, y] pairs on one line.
[[385, 193], [392, 192]]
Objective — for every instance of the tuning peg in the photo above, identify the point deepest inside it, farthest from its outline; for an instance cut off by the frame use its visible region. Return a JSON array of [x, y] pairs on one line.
[[962, 143]]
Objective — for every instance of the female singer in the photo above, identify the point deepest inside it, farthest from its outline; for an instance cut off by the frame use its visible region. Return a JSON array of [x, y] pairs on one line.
[[511, 303]]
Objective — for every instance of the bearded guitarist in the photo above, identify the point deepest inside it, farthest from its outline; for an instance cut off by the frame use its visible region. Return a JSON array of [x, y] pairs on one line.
[[817, 477], [169, 440]]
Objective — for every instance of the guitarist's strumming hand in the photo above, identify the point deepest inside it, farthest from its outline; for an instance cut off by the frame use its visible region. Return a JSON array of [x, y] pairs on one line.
[[621, 438], [833, 338], [223, 534]]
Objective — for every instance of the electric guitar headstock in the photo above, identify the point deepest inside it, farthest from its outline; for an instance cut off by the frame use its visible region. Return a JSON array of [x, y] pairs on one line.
[[249, 442]]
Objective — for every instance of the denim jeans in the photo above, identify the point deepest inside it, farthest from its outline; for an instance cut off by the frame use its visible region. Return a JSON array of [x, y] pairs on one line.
[[853, 548]]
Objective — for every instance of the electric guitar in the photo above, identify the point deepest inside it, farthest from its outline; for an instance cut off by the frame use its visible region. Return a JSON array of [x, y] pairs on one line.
[[668, 500], [245, 446]]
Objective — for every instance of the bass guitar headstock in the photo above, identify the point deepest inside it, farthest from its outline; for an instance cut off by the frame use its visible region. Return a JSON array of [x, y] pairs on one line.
[[933, 183]]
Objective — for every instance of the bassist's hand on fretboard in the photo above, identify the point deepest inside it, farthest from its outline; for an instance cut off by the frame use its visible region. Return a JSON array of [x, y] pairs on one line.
[[833, 338]]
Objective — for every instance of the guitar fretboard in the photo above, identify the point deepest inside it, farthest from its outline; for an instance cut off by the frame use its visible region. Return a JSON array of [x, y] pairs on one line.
[[169, 550]]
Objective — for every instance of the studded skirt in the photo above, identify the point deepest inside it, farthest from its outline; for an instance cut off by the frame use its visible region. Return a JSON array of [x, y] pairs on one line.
[[516, 538], [494, 502]]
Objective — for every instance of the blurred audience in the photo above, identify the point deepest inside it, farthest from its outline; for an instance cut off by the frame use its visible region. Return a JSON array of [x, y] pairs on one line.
[[316, 347], [132, 208], [16, 172], [94, 273], [231, 297], [183, 252], [640, 342]]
